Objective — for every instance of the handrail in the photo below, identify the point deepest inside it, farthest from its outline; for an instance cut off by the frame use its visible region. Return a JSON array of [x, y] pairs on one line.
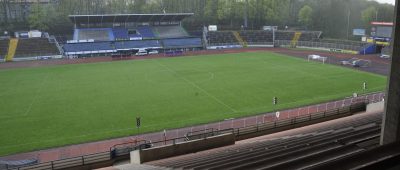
[[130, 146]]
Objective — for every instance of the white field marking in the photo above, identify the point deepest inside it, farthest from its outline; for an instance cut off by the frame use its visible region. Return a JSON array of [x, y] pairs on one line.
[[196, 86], [37, 94], [26, 113], [211, 76]]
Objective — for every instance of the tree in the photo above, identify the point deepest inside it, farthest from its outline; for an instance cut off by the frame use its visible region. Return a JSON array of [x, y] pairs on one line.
[[368, 15], [305, 16], [38, 18]]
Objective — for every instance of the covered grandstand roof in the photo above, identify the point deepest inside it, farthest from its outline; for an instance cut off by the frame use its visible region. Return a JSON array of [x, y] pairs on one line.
[[128, 18]]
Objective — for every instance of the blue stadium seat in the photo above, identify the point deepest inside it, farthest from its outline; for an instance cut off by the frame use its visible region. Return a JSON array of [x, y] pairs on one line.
[[96, 34], [88, 47], [120, 33], [129, 45], [182, 43], [174, 31], [146, 32]]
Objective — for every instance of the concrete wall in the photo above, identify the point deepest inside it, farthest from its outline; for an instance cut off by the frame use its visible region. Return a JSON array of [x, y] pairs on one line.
[[151, 154], [244, 136], [376, 107]]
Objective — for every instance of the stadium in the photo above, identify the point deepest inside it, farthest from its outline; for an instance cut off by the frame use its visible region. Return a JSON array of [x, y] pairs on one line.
[[164, 90]]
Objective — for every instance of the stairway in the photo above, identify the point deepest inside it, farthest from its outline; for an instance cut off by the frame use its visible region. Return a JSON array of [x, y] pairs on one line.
[[12, 48], [295, 39], [239, 39]]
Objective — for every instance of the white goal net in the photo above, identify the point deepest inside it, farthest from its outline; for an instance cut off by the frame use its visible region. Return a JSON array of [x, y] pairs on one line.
[[317, 58]]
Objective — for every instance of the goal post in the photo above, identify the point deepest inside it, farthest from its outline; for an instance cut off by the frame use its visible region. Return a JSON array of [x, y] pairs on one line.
[[317, 58]]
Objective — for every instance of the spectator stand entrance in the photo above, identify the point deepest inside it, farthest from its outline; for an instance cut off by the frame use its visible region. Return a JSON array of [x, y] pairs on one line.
[[121, 35]]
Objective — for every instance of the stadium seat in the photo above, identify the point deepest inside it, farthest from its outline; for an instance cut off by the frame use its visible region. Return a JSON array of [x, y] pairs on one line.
[[96, 34], [146, 32], [170, 31], [88, 47], [257, 36], [222, 38], [182, 43], [128, 45], [120, 33], [3, 48], [35, 47], [289, 152]]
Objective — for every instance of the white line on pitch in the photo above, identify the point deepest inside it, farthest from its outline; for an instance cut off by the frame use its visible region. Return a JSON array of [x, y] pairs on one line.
[[196, 86], [37, 94]]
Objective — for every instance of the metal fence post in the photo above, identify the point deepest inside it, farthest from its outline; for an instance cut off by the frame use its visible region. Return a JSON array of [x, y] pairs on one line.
[[257, 126]]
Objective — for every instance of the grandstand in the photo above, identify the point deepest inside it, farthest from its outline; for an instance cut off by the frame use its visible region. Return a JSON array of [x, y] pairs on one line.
[[182, 43], [257, 36], [3, 48], [18, 49], [218, 38], [174, 31], [129, 33], [311, 147], [35, 47]]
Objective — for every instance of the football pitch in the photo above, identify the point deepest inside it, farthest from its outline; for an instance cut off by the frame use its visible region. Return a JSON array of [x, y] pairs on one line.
[[60, 105]]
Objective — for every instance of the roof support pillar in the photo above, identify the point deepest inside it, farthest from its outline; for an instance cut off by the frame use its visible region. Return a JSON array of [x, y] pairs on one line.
[[391, 118]]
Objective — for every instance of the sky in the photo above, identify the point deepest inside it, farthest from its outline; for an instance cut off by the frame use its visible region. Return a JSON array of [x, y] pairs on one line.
[[386, 1]]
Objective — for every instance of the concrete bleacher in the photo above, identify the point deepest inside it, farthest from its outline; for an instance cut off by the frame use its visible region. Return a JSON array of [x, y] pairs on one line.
[[284, 35], [221, 38], [310, 36], [4, 48], [35, 47], [257, 36], [320, 144]]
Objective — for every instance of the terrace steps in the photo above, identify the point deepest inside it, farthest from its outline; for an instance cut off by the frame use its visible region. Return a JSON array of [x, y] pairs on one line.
[[295, 39], [12, 48], [239, 38]]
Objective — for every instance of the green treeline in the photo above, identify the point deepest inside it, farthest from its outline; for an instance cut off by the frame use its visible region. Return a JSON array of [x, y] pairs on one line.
[[334, 17]]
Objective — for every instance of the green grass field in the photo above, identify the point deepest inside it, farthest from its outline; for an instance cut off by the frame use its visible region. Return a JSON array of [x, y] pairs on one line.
[[59, 105]]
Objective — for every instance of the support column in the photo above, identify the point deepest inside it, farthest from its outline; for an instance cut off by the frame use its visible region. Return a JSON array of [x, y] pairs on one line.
[[391, 118]]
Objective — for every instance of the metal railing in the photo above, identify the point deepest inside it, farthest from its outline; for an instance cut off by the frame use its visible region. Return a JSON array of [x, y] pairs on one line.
[[277, 123], [260, 43], [326, 45], [222, 44], [125, 148], [67, 163]]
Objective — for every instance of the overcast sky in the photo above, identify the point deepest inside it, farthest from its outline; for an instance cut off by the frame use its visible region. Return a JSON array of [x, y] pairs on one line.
[[386, 1]]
